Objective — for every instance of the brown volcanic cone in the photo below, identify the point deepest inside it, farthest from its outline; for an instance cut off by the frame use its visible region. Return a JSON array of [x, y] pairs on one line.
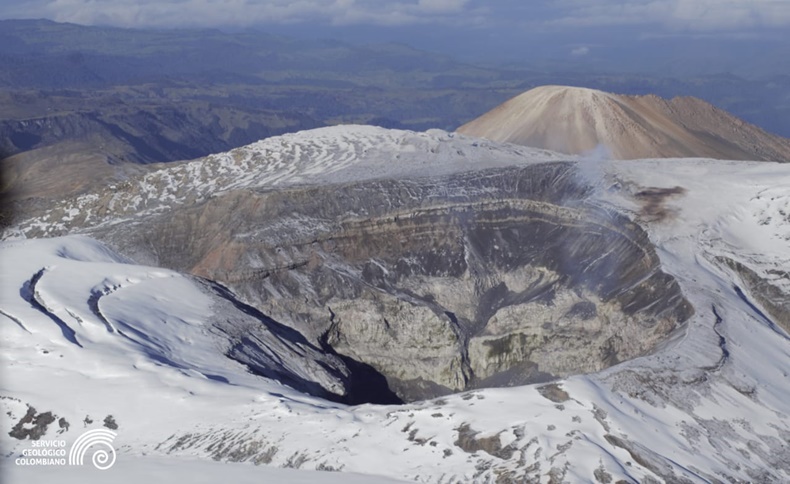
[[577, 120]]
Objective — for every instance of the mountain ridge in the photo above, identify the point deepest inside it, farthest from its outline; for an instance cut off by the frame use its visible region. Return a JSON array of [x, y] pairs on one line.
[[578, 120]]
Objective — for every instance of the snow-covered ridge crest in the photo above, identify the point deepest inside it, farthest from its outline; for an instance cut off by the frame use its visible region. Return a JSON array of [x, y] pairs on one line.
[[336, 154]]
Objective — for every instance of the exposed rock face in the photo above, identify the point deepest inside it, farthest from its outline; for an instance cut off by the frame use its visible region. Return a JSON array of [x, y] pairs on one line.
[[767, 291], [577, 120], [441, 284], [414, 265]]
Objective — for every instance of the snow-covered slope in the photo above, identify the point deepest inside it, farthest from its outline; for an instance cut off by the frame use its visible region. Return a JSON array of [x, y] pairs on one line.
[[710, 405], [322, 156]]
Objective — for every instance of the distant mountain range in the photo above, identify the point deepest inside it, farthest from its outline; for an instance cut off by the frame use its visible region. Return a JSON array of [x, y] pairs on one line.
[[143, 96]]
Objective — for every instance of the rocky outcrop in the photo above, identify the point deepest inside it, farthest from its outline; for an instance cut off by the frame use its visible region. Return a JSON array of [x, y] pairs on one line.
[[766, 290], [32, 425]]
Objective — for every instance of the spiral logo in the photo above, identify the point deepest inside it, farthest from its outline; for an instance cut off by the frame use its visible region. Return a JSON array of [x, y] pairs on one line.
[[103, 458]]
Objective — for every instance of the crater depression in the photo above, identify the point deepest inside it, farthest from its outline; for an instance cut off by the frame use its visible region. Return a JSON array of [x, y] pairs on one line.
[[426, 283]]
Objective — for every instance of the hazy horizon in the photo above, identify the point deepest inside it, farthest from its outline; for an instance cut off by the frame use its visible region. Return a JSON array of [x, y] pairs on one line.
[[671, 37]]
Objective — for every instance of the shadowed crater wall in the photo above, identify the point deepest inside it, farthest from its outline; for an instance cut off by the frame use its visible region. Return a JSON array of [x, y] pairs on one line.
[[493, 278]]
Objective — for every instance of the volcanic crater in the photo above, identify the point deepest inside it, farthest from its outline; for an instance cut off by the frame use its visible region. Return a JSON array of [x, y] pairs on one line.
[[432, 285]]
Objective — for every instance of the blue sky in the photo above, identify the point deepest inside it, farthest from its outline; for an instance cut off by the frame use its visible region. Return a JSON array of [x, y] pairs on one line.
[[582, 31]]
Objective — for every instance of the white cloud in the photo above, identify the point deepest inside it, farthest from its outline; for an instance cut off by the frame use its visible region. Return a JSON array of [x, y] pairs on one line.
[[669, 15], [133, 13], [580, 51], [444, 6], [694, 15]]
